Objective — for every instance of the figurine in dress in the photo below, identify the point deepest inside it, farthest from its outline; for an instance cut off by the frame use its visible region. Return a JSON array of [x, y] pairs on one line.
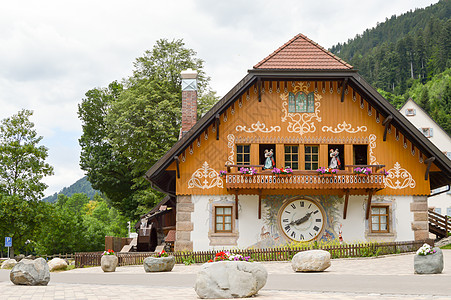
[[269, 159], [335, 159]]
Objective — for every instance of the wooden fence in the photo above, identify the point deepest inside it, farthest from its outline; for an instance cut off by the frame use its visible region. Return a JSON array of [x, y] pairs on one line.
[[84, 259]]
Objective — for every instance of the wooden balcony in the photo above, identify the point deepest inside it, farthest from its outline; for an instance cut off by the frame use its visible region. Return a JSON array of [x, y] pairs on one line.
[[304, 180], [344, 179]]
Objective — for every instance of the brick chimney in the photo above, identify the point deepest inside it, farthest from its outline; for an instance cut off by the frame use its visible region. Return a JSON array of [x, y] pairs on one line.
[[189, 100]]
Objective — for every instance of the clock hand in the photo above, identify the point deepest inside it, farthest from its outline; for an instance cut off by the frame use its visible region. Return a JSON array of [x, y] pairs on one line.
[[303, 219]]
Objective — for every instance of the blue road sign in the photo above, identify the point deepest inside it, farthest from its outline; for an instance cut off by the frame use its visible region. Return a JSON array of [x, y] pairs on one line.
[[8, 241]]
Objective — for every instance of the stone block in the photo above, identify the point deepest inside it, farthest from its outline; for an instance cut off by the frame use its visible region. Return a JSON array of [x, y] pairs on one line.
[[420, 225], [30, 272], [420, 216], [8, 264], [159, 264], [183, 216], [419, 206], [183, 246], [230, 279], [183, 199], [57, 264], [419, 199], [185, 207], [429, 264], [183, 235], [184, 226], [311, 261], [421, 235]]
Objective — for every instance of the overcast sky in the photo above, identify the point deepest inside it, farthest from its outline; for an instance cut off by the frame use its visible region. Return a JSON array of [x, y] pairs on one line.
[[52, 52]]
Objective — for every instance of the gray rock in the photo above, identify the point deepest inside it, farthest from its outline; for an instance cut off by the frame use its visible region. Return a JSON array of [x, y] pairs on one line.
[[429, 264], [108, 263], [311, 261], [230, 279], [30, 272], [57, 264], [159, 264], [19, 257], [9, 263]]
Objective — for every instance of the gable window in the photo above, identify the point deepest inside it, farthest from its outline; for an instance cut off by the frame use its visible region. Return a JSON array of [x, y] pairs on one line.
[[379, 219], [292, 156], [410, 112], [311, 157], [223, 219], [427, 131], [301, 102], [243, 154]]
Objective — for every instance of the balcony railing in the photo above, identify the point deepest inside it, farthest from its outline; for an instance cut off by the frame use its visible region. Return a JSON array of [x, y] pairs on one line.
[[305, 180]]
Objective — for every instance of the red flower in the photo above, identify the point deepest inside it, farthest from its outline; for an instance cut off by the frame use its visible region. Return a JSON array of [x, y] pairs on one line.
[[222, 253], [210, 260]]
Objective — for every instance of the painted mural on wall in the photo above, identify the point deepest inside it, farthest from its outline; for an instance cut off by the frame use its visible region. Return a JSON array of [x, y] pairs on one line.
[[271, 236]]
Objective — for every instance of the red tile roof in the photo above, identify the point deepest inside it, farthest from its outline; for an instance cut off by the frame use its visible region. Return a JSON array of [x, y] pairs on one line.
[[301, 53]]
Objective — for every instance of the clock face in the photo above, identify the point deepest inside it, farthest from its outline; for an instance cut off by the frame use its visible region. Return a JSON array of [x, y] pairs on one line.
[[301, 220]]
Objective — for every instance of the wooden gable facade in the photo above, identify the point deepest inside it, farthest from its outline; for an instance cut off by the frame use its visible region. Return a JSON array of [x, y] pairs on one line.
[[302, 101]]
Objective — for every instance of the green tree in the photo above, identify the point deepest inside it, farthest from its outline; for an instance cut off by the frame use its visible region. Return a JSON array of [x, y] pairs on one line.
[[22, 160], [126, 130]]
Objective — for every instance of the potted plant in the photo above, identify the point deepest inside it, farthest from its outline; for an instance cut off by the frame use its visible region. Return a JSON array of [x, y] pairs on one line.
[[248, 171], [230, 276], [326, 172], [222, 173], [428, 260], [109, 261], [364, 171], [161, 262], [282, 172]]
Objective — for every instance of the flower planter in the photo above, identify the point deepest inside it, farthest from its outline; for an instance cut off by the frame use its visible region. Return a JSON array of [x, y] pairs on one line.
[[108, 263], [230, 279], [429, 264], [159, 264], [328, 175]]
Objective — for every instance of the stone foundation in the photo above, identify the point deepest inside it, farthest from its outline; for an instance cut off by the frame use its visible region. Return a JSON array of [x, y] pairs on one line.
[[184, 226], [420, 226]]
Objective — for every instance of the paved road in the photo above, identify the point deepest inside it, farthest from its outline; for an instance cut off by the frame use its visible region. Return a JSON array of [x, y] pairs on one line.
[[369, 278]]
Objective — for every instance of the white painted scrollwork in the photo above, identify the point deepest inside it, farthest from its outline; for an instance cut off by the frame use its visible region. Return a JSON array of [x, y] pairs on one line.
[[300, 123], [205, 178], [344, 127], [399, 178], [231, 145], [257, 127], [371, 147]]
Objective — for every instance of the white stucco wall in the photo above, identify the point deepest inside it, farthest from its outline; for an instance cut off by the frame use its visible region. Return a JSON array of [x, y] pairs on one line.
[[354, 224], [442, 201], [404, 218]]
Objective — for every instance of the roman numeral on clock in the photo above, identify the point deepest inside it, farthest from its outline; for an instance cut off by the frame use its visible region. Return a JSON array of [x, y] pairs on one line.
[[294, 206], [318, 220], [293, 234], [287, 228], [316, 228], [301, 203], [285, 220]]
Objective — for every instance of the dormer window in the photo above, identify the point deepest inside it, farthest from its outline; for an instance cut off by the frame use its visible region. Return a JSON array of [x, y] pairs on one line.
[[427, 132], [411, 112], [301, 102]]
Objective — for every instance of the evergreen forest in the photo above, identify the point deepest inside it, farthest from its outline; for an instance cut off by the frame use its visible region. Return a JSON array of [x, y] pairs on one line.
[[408, 56]]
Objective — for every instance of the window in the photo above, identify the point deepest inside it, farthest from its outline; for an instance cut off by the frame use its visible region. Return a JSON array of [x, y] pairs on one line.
[[427, 131], [379, 219], [243, 154], [438, 210], [292, 157], [448, 211], [360, 154], [410, 112], [223, 219], [311, 157], [301, 102], [448, 154]]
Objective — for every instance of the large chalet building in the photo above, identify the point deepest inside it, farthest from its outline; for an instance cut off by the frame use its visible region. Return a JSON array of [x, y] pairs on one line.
[[301, 107]]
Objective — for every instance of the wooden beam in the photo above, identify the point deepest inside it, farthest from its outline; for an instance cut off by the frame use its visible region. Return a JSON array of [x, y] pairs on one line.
[[344, 85], [259, 89], [345, 208], [259, 204], [429, 163], [236, 204], [386, 123], [217, 127], [368, 204], [177, 163]]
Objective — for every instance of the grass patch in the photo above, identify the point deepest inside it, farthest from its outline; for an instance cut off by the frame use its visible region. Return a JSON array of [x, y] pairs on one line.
[[446, 247]]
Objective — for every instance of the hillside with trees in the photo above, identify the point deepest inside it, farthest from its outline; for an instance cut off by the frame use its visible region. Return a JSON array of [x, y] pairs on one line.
[[408, 56], [81, 186]]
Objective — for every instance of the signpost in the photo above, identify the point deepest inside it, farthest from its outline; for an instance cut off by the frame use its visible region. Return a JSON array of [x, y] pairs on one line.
[[8, 243]]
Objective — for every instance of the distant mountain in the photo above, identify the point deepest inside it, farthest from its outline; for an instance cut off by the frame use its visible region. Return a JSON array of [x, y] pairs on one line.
[[80, 186]]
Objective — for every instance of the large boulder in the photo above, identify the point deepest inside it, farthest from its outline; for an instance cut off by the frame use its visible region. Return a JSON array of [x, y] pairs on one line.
[[9, 263], [429, 264], [159, 264], [108, 263], [311, 261], [30, 272], [57, 264], [230, 279]]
